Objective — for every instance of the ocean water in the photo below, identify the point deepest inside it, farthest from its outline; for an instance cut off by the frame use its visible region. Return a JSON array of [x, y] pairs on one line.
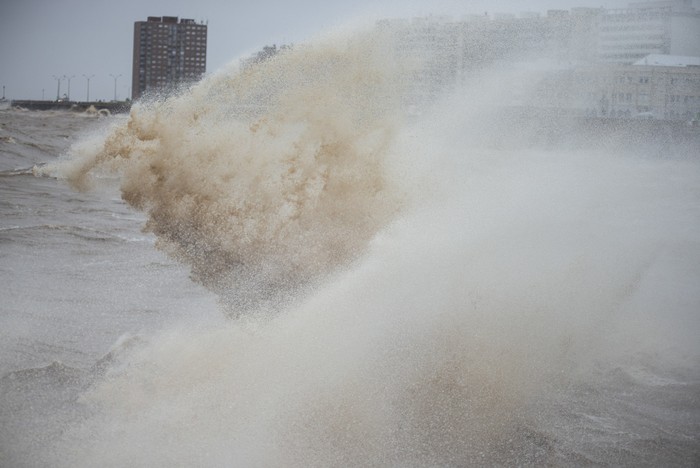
[[280, 266]]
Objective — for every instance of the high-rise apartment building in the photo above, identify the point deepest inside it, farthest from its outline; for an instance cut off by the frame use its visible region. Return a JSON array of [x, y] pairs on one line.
[[167, 52]]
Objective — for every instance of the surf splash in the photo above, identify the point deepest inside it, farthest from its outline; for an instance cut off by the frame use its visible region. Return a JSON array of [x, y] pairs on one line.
[[478, 298], [265, 178]]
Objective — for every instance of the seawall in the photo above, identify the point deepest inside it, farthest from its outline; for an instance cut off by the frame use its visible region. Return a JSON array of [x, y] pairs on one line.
[[114, 107]]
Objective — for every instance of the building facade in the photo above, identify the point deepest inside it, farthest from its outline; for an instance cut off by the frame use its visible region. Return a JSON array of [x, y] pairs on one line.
[[167, 53], [670, 27], [659, 91], [639, 62]]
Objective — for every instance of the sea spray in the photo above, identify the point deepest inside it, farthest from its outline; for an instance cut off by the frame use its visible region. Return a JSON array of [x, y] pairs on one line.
[[503, 305], [265, 178], [466, 335]]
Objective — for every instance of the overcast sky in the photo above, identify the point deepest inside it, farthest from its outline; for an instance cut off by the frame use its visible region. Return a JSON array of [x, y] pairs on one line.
[[40, 39]]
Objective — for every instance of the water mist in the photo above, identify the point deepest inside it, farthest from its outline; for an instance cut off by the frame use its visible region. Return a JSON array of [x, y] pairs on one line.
[[405, 290]]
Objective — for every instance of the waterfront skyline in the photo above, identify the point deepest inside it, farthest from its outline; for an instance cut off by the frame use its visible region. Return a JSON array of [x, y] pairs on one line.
[[43, 43]]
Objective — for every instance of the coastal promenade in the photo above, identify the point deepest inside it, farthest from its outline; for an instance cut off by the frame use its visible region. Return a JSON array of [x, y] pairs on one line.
[[114, 107]]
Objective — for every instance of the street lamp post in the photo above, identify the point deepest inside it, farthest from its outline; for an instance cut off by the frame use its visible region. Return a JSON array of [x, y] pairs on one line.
[[88, 86], [68, 78], [58, 87], [115, 84]]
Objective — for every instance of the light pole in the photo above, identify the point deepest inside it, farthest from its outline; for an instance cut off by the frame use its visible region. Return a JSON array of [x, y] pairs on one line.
[[68, 78], [58, 87], [88, 86], [115, 84]]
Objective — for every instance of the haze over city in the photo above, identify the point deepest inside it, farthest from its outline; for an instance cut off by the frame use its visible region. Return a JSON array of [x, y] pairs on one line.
[[41, 40]]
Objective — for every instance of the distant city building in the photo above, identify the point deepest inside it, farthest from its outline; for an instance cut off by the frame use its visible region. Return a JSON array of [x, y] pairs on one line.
[[659, 87], [637, 62], [440, 52], [432, 50], [669, 27], [167, 52]]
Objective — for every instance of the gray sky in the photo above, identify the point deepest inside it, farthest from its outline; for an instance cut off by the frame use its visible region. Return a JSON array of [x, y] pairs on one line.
[[43, 38]]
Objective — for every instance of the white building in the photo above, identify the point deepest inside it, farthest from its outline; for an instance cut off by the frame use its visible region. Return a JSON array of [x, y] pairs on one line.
[[670, 27], [656, 87], [610, 63]]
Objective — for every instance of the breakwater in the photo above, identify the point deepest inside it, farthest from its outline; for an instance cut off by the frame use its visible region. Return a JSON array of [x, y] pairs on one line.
[[114, 107]]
